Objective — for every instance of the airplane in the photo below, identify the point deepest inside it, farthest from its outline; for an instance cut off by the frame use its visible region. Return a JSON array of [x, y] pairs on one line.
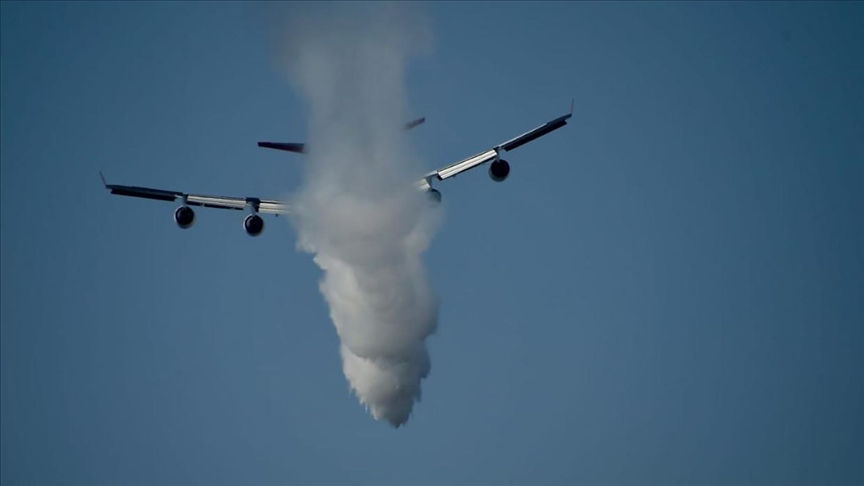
[[253, 224]]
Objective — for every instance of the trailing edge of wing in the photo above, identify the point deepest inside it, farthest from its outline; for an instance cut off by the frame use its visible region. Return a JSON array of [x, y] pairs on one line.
[[273, 207], [260, 205]]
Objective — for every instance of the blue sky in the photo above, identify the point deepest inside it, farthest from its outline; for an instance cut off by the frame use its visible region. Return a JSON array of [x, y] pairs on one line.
[[666, 291]]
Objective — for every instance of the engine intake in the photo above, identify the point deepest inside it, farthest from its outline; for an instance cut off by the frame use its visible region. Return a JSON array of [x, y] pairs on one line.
[[184, 216], [434, 195], [499, 170], [253, 224]]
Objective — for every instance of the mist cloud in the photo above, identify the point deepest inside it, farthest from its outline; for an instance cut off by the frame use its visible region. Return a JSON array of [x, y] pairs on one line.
[[357, 212]]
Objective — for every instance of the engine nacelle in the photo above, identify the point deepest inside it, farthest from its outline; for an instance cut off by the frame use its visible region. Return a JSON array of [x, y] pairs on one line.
[[499, 170], [253, 224], [434, 195], [184, 216]]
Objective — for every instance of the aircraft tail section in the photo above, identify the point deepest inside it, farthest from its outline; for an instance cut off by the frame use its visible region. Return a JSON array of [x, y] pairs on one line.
[[300, 148], [414, 123]]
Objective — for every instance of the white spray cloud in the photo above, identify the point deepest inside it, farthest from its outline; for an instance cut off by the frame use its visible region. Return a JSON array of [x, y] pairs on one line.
[[357, 211]]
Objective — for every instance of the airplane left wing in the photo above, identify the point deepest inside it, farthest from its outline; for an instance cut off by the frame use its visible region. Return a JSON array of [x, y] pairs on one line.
[[265, 206]]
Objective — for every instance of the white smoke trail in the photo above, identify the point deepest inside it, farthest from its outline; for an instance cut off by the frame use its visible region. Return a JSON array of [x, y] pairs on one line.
[[357, 210]]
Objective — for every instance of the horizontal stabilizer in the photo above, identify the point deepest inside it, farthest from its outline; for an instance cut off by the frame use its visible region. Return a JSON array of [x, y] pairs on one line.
[[300, 148], [288, 147], [414, 123]]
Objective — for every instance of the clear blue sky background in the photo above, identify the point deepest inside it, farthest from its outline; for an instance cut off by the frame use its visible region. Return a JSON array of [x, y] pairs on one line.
[[666, 291]]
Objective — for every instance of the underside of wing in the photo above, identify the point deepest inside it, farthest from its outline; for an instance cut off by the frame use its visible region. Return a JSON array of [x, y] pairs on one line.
[[465, 164], [266, 206], [493, 154], [534, 134], [184, 215]]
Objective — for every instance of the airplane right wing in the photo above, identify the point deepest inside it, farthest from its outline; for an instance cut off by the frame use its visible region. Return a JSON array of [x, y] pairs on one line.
[[494, 153]]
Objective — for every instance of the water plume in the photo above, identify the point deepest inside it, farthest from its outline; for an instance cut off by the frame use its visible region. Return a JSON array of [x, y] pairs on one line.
[[357, 210]]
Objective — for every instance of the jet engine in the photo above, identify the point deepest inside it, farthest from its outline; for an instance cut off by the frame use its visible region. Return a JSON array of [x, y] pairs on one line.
[[184, 216], [499, 170], [434, 195], [253, 224]]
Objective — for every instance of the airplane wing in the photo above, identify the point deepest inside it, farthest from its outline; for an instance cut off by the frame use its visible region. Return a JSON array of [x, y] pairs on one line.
[[264, 206], [493, 153], [184, 216], [300, 148]]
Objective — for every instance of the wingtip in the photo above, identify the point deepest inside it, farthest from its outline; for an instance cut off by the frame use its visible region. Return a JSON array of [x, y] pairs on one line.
[[571, 105], [102, 176]]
